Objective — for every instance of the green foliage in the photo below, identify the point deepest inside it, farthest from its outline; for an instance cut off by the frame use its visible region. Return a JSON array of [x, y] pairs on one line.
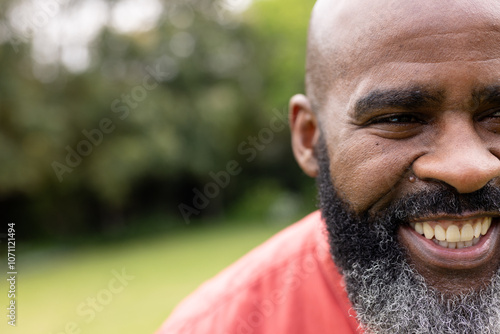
[[166, 268], [163, 142]]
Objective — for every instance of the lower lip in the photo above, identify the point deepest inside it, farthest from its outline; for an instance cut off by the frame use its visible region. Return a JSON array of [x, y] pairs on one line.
[[464, 258]]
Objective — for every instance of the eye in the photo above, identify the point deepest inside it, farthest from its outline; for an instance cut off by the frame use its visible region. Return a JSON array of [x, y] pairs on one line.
[[495, 114], [397, 125], [399, 119], [491, 120]]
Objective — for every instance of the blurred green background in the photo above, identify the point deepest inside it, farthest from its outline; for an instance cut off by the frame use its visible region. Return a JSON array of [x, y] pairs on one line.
[[149, 137]]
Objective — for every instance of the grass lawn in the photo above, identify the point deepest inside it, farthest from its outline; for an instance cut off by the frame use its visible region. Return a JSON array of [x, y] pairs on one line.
[[56, 286]]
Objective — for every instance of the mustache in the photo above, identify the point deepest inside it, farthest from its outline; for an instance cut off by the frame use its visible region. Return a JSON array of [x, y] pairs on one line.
[[445, 201]]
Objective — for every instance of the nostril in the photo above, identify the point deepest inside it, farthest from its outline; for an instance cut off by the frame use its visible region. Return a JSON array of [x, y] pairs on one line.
[[465, 173]]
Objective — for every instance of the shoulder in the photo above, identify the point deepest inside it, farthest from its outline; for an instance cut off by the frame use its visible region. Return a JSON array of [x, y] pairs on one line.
[[268, 289]]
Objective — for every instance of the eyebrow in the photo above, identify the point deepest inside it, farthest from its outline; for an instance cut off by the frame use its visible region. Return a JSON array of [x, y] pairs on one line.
[[410, 98], [488, 94]]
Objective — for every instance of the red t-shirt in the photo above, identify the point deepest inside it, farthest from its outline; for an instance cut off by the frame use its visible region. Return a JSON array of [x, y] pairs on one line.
[[287, 285]]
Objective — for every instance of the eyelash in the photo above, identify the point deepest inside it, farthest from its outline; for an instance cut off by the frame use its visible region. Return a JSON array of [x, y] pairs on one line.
[[493, 114], [402, 119], [398, 119]]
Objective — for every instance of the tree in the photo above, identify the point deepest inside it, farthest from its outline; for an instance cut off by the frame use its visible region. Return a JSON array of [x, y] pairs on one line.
[[131, 121]]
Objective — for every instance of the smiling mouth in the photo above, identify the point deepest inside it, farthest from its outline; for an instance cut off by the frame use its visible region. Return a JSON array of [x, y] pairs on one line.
[[452, 243], [454, 234]]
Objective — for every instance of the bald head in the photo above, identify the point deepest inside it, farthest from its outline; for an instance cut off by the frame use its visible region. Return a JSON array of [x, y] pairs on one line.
[[347, 38], [403, 107]]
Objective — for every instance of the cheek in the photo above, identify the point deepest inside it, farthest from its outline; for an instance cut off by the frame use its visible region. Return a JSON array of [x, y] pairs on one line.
[[368, 173]]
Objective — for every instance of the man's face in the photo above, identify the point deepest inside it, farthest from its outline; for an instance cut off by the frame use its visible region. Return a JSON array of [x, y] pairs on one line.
[[409, 106], [417, 109]]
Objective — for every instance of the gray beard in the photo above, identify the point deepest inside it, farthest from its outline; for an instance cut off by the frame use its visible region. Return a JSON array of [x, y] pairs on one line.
[[388, 295], [406, 304]]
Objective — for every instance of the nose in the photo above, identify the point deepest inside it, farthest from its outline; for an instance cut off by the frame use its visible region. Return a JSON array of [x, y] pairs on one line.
[[458, 157]]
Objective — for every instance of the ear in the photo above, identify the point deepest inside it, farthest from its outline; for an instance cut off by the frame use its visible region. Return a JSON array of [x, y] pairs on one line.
[[305, 133]]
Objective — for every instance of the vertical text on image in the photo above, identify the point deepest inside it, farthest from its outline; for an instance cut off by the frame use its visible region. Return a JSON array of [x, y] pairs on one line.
[[11, 273]]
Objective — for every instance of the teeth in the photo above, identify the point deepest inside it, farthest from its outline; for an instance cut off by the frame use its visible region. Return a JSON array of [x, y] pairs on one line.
[[443, 243], [418, 227], [439, 233], [449, 234], [485, 226], [429, 231], [475, 241], [453, 234], [457, 245], [467, 233], [477, 229]]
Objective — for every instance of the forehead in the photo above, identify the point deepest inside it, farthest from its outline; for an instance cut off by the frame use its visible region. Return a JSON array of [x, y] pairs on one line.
[[378, 44]]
